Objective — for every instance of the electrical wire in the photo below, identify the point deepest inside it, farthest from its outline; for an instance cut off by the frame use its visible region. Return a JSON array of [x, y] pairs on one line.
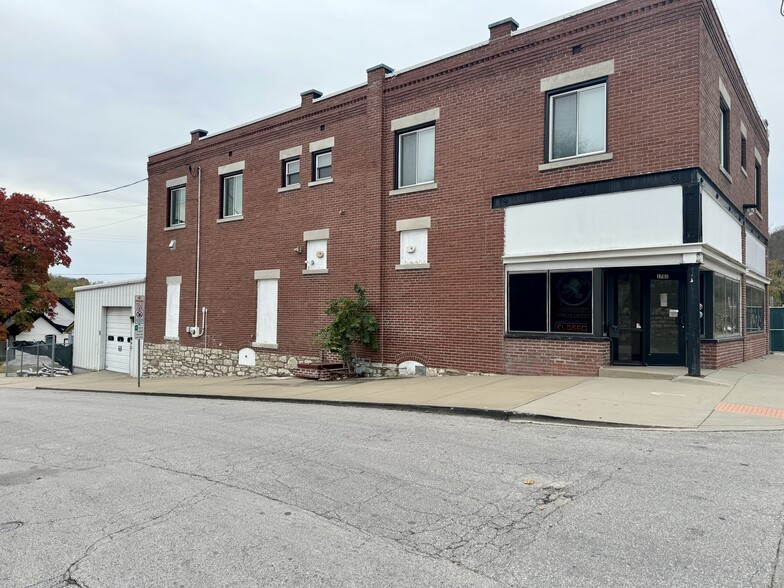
[[96, 193], [110, 224], [99, 274], [107, 208]]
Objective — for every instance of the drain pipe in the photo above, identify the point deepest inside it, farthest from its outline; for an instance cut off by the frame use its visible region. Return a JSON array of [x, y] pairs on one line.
[[195, 331]]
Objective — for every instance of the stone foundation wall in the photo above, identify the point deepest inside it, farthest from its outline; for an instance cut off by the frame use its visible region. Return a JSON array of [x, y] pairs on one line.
[[172, 359]]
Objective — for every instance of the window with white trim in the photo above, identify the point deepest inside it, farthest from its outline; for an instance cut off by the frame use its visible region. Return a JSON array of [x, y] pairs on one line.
[[176, 216], [577, 122], [231, 195], [172, 330], [416, 150], [322, 165], [267, 308], [290, 172]]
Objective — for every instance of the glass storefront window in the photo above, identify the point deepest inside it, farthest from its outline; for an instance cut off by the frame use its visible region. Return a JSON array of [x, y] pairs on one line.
[[570, 308], [755, 309], [726, 306]]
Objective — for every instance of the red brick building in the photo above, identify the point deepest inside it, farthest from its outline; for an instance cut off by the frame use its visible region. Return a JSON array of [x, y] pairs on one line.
[[588, 191]]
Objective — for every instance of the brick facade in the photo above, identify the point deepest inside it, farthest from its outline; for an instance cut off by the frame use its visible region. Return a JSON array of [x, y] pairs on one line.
[[489, 140]]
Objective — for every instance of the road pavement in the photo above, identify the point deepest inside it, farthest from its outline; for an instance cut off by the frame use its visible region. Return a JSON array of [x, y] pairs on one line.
[[100, 490]]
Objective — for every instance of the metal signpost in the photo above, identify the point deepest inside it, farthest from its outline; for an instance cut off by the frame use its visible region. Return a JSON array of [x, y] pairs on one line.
[[138, 335]]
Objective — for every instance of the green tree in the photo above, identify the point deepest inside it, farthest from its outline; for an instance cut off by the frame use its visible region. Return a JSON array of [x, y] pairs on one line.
[[352, 325], [63, 286], [776, 244], [776, 275]]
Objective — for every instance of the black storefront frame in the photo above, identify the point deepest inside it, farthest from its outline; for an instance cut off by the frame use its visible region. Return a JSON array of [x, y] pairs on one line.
[[646, 275]]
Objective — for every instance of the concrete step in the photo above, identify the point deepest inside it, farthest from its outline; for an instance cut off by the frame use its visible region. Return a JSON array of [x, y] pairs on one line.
[[642, 372]]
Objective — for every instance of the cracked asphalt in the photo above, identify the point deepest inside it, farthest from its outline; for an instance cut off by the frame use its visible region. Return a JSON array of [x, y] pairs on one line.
[[101, 490]]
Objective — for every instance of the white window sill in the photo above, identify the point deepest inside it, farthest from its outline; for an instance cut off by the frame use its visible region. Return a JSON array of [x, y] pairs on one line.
[[726, 173], [319, 182], [174, 227], [228, 219], [745, 173], [258, 345], [412, 266], [314, 272], [576, 161], [416, 188], [757, 212], [289, 188], [171, 338]]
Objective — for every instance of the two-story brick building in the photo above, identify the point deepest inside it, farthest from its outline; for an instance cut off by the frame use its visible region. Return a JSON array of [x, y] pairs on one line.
[[584, 192]]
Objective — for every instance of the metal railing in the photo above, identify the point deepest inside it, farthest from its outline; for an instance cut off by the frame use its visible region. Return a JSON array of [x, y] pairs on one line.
[[37, 359]]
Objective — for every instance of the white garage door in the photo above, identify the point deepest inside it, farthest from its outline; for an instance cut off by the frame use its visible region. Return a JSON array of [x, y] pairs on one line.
[[118, 339]]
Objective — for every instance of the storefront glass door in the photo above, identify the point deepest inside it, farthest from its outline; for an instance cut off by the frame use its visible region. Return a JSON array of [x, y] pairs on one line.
[[648, 320]]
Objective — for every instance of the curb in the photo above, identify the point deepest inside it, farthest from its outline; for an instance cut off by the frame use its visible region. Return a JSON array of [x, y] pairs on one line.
[[487, 413]]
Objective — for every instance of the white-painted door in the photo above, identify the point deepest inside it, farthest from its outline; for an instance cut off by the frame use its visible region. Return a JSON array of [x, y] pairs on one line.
[[118, 339]]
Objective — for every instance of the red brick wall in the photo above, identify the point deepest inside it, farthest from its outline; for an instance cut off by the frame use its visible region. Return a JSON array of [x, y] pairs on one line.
[[716, 61], [549, 357], [718, 354], [756, 345], [489, 141]]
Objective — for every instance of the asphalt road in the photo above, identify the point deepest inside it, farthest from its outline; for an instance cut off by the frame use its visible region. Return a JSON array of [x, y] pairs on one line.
[[100, 490]]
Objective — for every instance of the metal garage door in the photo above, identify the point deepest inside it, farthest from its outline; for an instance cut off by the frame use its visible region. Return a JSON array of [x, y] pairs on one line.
[[118, 339]]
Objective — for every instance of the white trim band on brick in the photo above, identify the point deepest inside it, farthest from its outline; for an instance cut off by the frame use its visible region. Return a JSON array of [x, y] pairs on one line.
[[291, 152], [315, 235], [415, 188], [724, 94], [273, 274], [412, 266], [231, 168], [577, 76], [322, 144], [579, 160], [410, 224], [172, 280], [174, 182], [414, 120]]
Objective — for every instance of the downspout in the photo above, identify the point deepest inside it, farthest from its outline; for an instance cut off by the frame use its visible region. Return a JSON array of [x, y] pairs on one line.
[[196, 331]]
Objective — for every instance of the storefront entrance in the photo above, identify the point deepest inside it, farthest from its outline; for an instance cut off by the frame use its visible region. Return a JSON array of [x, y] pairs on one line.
[[647, 322]]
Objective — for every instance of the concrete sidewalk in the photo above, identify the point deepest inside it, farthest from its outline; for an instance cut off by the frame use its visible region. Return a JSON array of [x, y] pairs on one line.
[[749, 396]]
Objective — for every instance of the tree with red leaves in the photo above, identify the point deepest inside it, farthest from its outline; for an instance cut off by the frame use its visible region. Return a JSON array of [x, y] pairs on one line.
[[32, 239]]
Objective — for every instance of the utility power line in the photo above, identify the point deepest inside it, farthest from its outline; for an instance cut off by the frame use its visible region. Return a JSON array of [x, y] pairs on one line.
[[96, 193]]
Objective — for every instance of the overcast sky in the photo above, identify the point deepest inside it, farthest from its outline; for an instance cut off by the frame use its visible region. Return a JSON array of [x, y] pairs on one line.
[[91, 88]]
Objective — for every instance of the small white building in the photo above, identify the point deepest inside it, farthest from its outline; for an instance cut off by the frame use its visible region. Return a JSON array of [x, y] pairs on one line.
[[104, 327], [46, 328]]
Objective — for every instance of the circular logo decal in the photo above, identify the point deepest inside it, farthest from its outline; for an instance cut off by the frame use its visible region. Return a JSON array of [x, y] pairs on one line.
[[573, 289]]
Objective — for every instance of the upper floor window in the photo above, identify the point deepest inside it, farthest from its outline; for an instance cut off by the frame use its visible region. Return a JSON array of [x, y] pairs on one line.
[[758, 185], [578, 122], [724, 135], [176, 207], [322, 165], [231, 195], [743, 149], [291, 172], [416, 157]]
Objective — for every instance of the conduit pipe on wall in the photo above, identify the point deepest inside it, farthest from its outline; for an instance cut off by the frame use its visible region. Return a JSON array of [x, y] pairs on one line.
[[196, 331]]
